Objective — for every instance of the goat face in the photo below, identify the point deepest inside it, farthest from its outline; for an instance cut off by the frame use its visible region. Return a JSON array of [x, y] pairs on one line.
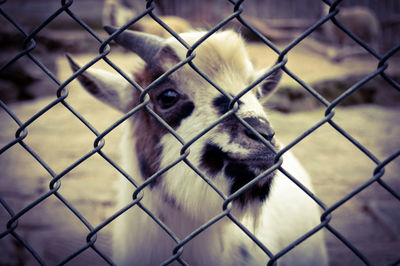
[[229, 154]]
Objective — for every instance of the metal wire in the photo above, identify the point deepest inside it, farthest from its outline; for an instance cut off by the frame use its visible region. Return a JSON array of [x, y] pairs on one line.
[[55, 179]]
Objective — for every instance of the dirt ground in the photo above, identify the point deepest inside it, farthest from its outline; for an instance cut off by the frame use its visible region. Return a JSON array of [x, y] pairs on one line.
[[370, 220]]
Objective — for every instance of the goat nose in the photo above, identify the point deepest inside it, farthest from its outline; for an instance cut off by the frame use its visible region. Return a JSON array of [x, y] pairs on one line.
[[266, 134], [263, 128]]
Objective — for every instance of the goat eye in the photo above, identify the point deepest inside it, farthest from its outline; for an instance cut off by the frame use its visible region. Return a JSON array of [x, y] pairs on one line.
[[168, 98]]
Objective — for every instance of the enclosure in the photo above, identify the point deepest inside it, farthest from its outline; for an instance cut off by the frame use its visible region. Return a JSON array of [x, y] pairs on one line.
[[339, 114]]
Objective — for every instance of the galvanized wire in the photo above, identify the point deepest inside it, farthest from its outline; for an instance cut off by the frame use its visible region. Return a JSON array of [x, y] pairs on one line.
[[55, 179]]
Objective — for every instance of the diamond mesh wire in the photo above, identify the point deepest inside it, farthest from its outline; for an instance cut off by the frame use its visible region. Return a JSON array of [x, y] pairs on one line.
[[62, 94]]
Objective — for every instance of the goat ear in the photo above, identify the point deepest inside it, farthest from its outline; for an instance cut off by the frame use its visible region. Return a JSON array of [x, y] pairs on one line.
[[110, 88], [268, 86]]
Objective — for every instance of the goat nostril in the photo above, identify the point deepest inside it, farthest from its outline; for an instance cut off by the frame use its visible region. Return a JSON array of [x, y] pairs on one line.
[[268, 135], [250, 134]]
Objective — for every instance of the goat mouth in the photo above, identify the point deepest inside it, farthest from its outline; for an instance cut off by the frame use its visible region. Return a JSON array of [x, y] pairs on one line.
[[240, 170], [241, 174], [245, 170], [260, 163]]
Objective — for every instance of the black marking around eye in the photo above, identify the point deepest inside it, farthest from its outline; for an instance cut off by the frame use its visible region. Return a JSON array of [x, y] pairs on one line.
[[175, 117], [212, 159], [221, 103]]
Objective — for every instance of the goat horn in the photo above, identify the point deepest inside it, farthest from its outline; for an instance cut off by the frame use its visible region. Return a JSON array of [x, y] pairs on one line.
[[143, 44]]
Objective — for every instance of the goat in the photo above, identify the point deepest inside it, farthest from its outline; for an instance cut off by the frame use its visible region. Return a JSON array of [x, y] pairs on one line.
[[230, 155]]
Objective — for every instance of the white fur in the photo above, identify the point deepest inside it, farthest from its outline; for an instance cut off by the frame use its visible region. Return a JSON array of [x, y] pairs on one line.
[[287, 215], [184, 201]]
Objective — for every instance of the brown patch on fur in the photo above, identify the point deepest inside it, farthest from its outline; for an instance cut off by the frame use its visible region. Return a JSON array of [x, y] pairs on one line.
[[148, 147], [147, 130], [148, 133]]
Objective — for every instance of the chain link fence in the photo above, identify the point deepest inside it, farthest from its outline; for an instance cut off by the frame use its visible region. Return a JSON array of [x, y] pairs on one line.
[[55, 178]]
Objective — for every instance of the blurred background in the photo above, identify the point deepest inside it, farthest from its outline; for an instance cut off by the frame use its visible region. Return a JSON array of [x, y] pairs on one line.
[[280, 21], [327, 61]]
